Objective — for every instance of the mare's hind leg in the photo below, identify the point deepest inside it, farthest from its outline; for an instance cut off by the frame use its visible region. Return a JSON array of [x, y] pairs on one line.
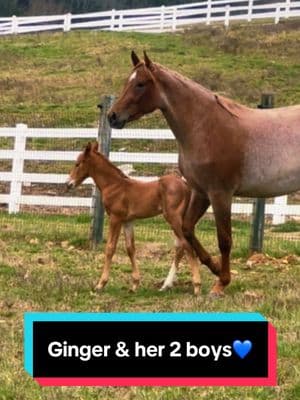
[[130, 247], [113, 236], [196, 208], [221, 203], [179, 253]]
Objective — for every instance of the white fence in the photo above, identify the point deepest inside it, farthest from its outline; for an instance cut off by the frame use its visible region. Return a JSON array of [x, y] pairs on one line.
[[156, 19], [17, 177]]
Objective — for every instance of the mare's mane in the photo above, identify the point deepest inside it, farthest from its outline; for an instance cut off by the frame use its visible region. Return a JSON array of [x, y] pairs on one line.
[[226, 104]]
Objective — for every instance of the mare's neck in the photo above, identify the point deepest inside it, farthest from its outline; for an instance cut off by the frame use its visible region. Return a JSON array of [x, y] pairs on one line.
[[103, 172], [183, 102]]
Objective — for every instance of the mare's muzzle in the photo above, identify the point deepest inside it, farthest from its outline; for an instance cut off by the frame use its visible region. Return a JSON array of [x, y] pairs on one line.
[[115, 122]]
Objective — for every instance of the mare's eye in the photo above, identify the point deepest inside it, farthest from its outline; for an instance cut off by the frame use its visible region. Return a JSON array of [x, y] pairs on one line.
[[77, 164]]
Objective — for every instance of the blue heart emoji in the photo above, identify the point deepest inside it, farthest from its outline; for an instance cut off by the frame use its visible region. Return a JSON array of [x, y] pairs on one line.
[[242, 348]]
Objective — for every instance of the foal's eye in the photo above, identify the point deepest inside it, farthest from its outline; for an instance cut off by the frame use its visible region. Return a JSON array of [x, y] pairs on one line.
[[140, 85], [77, 164]]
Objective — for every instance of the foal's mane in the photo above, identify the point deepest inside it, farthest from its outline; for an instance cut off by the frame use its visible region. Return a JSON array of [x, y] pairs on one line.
[[111, 165]]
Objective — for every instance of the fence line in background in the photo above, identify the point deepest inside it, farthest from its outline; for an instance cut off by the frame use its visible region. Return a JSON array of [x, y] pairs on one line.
[[278, 210], [156, 19]]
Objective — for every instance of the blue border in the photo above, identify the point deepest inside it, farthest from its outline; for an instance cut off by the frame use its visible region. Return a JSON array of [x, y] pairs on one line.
[[31, 317]]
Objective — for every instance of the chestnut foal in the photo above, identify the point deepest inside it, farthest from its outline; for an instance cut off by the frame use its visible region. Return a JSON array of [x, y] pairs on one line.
[[126, 199]]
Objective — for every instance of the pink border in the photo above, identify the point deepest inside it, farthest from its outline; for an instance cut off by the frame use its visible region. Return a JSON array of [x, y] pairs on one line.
[[271, 380]]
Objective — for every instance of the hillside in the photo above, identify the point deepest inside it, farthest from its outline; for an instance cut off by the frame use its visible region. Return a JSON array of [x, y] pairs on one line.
[[57, 79]]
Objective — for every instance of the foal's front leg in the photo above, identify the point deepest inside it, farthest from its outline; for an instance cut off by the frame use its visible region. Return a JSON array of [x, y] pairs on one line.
[[130, 247], [197, 207], [113, 236]]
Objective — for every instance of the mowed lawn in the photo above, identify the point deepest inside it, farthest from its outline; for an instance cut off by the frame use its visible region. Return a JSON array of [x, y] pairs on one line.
[[46, 265]]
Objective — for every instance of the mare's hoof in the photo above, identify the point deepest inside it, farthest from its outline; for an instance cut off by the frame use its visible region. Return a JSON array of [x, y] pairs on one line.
[[216, 295]]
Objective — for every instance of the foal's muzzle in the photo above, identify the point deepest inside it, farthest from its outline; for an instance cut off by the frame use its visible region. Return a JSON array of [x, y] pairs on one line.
[[114, 121], [70, 184]]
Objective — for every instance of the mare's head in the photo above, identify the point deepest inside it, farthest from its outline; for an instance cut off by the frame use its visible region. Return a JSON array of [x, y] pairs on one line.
[[81, 169], [140, 94]]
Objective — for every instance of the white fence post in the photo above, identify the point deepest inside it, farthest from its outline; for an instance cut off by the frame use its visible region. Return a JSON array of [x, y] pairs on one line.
[[287, 8], [112, 19], [162, 18], [227, 15], [174, 19], [250, 5], [120, 22], [208, 12], [17, 169], [67, 22], [279, 212], [277, 13], [14, 24]]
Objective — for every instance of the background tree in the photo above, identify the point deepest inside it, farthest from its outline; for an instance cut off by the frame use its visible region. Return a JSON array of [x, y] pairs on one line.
[[38, 7]]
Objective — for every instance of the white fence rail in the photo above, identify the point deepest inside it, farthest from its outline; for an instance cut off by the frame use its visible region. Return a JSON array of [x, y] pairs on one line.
[[156, 19], [17, 177]]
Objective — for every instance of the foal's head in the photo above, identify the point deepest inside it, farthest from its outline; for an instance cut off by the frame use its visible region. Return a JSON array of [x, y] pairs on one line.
[[81, 169], [140, 95]]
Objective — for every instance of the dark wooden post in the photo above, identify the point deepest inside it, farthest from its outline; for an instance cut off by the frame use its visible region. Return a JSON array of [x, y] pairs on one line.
[[258, 220], [104, 140]]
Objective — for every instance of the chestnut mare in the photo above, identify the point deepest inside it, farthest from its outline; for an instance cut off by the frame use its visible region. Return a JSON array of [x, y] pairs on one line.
[[225, 148], [126, 199]]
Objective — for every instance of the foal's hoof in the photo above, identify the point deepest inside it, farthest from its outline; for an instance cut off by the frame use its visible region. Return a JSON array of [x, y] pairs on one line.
[[164, 288], [133, 289], [100, 286], [197, 290]]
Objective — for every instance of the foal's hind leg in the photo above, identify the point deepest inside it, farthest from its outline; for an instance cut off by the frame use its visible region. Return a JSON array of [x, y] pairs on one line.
[[196, 208], [175, 220], [130, 247], [179, 253], [113, 236]]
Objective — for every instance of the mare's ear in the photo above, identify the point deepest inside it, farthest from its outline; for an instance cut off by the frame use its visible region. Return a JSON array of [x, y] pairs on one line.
[[95, 147], [134, 58], [148, 62]]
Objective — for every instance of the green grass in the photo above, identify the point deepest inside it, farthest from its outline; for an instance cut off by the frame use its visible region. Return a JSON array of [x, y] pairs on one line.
[[46, 265], [58, 79]]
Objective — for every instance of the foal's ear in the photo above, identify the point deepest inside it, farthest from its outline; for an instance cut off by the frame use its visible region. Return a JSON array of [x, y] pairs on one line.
[[147, 60], [134, 58], [87, 148], [95, 147]]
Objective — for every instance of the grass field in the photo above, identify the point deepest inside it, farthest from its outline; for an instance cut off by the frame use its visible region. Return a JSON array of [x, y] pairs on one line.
[[46, 265], [57, 80]]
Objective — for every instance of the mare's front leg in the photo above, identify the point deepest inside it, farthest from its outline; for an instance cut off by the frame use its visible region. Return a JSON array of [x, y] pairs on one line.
[[221, 204], [130, 247], [113, 236]]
